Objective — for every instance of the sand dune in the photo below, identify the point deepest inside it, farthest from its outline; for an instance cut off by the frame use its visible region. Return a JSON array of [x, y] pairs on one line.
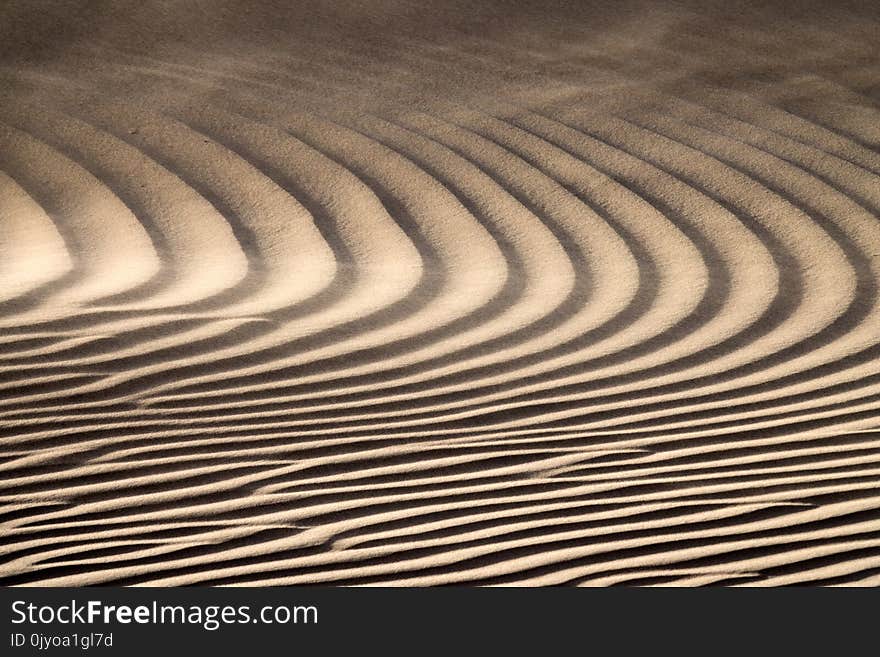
[[495, 293]]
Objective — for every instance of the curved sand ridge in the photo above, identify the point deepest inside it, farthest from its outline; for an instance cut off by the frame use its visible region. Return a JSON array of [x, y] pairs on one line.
[[504, 293]]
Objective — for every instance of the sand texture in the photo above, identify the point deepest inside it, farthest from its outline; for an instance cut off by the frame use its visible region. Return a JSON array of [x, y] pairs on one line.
[[415, 293]]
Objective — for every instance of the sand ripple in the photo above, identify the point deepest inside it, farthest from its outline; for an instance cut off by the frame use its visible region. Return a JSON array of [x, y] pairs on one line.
[[384, 296]]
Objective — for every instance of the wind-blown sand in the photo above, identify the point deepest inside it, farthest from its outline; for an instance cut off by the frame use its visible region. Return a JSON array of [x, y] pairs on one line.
[[490, 292]]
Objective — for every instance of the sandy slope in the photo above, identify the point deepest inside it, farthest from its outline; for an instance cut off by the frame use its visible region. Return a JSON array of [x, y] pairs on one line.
[[503, 292]]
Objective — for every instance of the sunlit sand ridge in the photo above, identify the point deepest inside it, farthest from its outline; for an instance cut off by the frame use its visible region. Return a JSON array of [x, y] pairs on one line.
[[490, 293]]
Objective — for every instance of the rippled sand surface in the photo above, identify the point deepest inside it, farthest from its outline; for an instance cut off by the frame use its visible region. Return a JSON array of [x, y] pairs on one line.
[[417, 293]]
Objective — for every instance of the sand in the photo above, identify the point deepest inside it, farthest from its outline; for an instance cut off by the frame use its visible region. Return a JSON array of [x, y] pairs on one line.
[[397, 292]]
